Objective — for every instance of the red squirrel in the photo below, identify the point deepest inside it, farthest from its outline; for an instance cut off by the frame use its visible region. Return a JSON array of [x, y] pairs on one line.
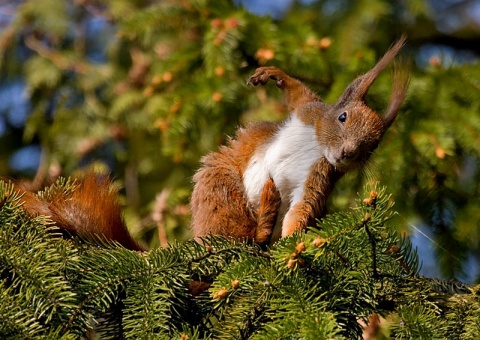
[[92, 211], [304, 157], [273, 179]]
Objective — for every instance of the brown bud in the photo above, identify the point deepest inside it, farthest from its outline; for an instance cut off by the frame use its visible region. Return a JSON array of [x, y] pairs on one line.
[[393, 249], [367, 217], [216, 97], [440, 152], [325, 43], [368, 201], [219, 71], [291, 263], [208, 249], [148, 92], [216, 23], [318, 242], [161, 124], [373, 195], [300, 247], [167, 77], [231, 23], [264, 54], [220, 294], [235, 284], [184, 336]]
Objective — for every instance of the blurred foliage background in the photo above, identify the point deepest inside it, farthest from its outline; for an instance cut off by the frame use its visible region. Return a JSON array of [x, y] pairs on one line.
[[142, 89]]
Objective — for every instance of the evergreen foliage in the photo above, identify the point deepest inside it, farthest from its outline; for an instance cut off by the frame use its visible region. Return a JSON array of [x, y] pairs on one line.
[[148, 87], [313, 285]]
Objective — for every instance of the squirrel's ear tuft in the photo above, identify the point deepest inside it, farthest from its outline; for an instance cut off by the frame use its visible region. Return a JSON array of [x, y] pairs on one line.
[[401, 79], [359, 87]]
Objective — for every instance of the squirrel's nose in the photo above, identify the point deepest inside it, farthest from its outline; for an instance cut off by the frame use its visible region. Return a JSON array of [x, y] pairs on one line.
[[348, 153]]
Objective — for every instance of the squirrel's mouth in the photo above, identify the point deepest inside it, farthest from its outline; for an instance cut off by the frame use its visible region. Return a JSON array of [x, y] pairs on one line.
[[342, 163]]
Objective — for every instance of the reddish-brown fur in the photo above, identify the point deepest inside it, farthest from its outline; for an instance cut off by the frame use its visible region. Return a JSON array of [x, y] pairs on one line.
[[219, 187], [320, 184], [295, 92], [90, 211], [219, 202]]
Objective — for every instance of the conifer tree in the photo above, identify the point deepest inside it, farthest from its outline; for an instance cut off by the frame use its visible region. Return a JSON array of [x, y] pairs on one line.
[[146, 88], [313, 285]]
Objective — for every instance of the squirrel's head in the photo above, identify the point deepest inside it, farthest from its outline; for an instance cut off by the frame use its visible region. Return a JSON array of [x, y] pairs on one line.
[[349, 130]]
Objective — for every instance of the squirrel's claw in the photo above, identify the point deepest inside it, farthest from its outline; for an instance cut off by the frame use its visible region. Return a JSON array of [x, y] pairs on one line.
[[263, 74]]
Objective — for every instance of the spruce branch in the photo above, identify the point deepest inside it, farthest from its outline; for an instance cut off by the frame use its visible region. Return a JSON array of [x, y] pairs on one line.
[[323, 279]]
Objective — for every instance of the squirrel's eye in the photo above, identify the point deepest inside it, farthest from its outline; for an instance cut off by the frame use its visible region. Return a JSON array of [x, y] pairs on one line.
[[343, 117]]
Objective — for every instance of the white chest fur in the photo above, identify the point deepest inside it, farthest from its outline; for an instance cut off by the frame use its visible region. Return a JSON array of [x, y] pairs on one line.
[[287, 159]]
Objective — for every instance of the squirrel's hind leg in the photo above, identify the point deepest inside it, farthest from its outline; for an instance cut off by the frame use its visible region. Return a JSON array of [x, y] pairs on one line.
[[267, 212]]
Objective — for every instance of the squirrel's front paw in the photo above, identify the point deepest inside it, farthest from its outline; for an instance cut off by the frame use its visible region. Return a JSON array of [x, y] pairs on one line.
[[291, 226], [262, 74], [295, 219]]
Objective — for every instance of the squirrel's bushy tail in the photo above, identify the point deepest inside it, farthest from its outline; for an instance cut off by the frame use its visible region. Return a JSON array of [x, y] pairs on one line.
[[90, 211]]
